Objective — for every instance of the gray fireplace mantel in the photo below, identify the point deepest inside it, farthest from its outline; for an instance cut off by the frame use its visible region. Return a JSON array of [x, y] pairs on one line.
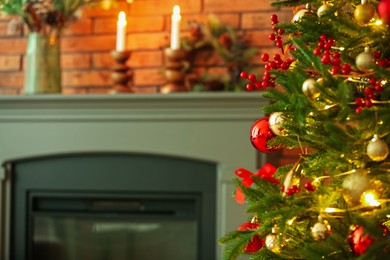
[[206, 126]]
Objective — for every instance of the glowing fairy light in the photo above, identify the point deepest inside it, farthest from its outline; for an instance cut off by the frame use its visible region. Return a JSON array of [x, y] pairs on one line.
[[370, 198]]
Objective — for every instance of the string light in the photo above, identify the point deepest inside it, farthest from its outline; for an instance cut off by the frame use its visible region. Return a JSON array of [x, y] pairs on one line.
[[370, 199]]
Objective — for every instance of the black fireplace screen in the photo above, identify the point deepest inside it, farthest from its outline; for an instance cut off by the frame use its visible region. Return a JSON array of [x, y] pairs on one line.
[[115, 227], [112, 206]]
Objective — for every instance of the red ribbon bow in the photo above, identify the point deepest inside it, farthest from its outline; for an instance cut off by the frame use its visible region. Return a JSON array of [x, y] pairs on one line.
[[265, 173]]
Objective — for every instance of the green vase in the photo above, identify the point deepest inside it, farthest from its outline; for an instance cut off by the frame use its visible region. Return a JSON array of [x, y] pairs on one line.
[[43, 68]]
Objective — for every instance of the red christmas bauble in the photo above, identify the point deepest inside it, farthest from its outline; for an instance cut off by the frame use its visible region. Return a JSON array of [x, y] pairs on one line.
[[384, 11], [260, 133], [359, 241], [257, 242]]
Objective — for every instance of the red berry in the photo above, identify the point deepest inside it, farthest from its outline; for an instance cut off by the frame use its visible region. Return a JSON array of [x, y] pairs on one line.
[[272, 36], [274, 18], [244, 75], [252, 77], [250, 86], [368, 102], [265, 57], [327, 46], [317, 52], [346, 69], [372, 81], [378, 88], [321, 44], [377, 54], [309, 186], [281, 31], [335, 70], [359, 102], [382, 63], [258, 85], [358, 110], [368, 91], [277, 57], [264, 84], [336, 55], [325, 59], [323, 37], [336, 62], [285, 65]]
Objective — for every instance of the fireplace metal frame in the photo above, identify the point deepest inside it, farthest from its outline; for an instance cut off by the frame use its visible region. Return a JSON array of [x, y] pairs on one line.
[[188, 172]]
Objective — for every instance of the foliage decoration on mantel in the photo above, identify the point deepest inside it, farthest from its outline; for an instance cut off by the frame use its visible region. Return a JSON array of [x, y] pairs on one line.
[[232, 47], [43, 16]]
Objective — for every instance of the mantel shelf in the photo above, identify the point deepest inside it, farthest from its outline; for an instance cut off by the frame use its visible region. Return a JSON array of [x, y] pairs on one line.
[[178, 106]]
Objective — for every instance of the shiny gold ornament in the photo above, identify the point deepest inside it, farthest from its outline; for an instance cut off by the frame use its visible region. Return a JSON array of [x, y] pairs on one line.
[[272, 241], [320, 230], [377, 149], [275, 122], [309, 88], [354, 186], [365, 60], [292, 181], [323, 9], [300, 13], [364, 12]]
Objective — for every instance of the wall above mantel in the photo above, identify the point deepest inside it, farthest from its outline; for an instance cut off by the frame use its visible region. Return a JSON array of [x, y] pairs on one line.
[[87, 43]]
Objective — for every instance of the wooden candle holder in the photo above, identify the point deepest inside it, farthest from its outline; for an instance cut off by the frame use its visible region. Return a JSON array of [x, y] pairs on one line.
[[176, 63], [121, 74]]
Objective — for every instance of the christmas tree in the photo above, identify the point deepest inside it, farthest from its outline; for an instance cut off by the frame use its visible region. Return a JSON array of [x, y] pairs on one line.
[[329, 95]]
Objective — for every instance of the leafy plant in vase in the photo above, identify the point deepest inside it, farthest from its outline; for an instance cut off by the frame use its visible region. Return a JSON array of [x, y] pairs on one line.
[[45, 20]]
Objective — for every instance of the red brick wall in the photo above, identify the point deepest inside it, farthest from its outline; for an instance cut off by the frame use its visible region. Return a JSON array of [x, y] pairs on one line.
[[87, 43]]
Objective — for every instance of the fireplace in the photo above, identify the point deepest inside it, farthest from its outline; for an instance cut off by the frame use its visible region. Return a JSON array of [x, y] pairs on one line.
[[112, 206], [197, 127]]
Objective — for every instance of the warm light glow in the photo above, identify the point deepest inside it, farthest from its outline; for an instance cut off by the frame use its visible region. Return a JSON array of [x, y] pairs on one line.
[[330, 210], [378, 22], [176, 11], [291, 221], [122, 19], [369, 198]]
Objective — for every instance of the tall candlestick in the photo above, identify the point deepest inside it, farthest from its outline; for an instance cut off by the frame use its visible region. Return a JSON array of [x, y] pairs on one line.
[[121, 32], [175, 30]]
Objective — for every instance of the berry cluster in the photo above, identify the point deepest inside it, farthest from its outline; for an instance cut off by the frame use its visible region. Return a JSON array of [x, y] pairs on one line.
[[292, 190], [369, 95], [277, 63], [324, 48], [276, 36], [384, 62]]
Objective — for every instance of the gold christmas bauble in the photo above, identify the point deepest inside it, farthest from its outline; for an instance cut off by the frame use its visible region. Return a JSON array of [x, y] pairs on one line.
[[365, 60], [319, 231], [322, 9], [272, 242], [354, 185], [377, 149], [302, 12], [275, 122], [364, 13], [309, 88]]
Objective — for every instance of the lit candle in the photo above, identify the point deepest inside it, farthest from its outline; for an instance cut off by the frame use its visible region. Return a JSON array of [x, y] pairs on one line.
[[175, 30], [121, 32]]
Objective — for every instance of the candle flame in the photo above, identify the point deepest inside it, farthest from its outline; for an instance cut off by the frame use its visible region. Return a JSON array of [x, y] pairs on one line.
[[122, 19], [176, 10]]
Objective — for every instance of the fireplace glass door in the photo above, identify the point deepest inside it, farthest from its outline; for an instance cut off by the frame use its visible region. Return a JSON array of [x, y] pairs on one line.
[[136, 227], [111, 206]]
